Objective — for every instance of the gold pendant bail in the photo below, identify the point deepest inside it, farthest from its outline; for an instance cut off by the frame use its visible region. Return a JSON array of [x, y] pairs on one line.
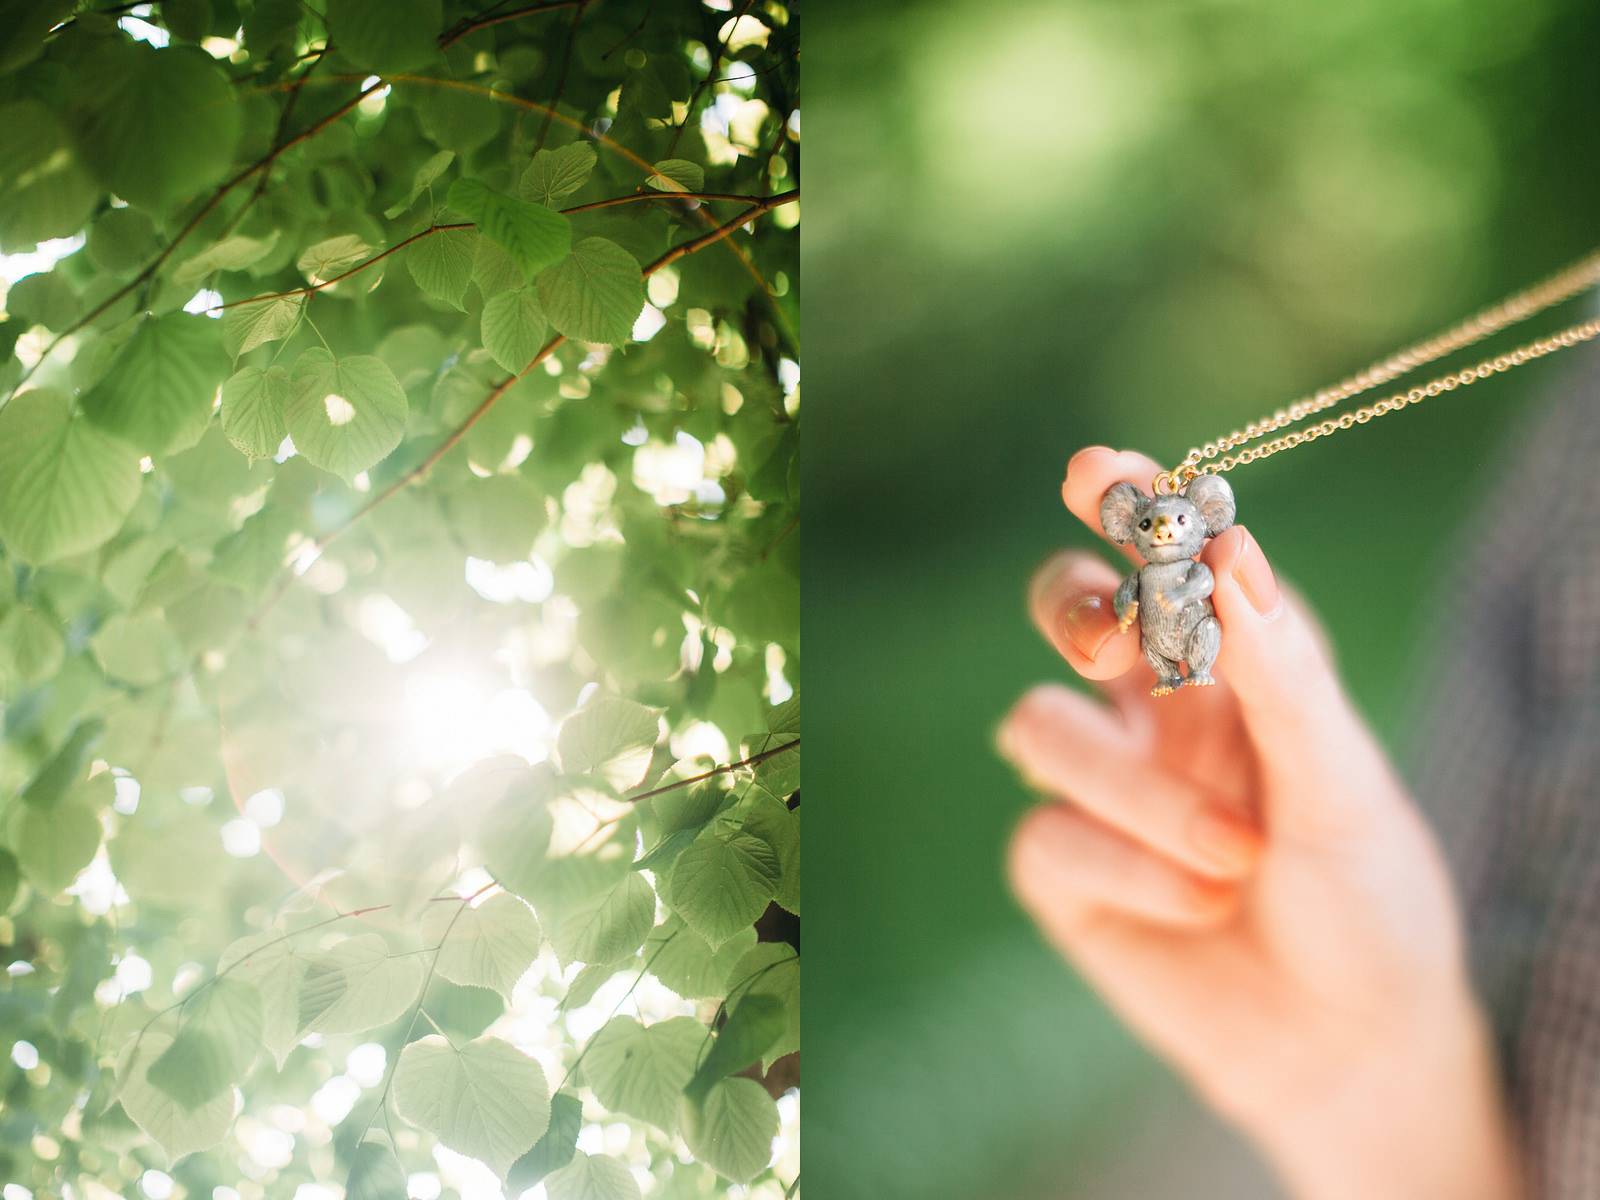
[[1170, 483]]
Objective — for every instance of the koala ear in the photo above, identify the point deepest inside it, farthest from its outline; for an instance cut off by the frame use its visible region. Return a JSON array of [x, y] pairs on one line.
[[1214, 499], [1119, 509]]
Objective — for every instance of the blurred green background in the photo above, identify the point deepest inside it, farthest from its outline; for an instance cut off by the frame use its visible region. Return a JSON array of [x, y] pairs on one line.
[[1053, 224]]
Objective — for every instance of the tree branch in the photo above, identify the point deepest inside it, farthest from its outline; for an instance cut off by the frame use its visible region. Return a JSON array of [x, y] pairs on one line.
[[711, 76], [561, 79], [460, 431], [713, 773], [205, 210], [630, 198], [489, 17], [355, 270]]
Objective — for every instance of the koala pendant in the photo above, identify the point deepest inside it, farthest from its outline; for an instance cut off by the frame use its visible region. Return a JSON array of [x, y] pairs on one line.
[[1170, 596]]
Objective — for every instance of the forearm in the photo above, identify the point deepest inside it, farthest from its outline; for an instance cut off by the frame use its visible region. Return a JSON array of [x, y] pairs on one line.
[[1425, 1119]]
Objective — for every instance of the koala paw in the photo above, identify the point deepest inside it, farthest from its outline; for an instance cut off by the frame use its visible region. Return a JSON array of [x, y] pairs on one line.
[[1167, 604], [1126, 620], [1165, 687], [1200, 679]]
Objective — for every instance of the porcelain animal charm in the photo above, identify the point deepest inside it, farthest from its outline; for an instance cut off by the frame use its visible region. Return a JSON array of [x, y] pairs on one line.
[[1170, 596]]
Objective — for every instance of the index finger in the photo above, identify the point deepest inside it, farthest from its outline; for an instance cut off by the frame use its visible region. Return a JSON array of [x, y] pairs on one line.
[[1092, 471]]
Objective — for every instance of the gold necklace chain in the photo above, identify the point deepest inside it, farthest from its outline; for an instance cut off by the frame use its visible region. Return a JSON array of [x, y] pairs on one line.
[[1563, 285]]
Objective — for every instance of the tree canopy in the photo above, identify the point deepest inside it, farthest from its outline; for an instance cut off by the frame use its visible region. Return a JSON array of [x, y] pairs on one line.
[[399, 623]]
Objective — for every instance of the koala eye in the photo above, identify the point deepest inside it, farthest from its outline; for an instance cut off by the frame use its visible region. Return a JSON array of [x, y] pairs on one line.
[[1145, 524], [1182, 520]]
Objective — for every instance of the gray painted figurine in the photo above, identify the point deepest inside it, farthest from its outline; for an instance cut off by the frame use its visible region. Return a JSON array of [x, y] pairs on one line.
[[1170, 596]]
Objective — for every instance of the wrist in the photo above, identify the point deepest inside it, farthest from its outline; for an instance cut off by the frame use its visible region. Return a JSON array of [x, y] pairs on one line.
[[1419, 1114]]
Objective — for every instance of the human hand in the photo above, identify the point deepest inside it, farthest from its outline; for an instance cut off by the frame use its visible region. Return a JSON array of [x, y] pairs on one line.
[[1240, 874]]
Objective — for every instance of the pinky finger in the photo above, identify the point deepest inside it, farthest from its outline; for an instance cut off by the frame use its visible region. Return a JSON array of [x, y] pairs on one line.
[[1066, 866]]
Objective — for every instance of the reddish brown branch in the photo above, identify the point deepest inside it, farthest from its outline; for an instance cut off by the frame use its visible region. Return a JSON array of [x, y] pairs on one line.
[[460, 431], [561, 79], [193, 223], [711, 77], [355, 270], [753, 760], [490, 18]]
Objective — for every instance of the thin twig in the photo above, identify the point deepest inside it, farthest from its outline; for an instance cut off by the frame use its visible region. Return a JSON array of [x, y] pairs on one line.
[[561, 79], [684, 249], [753, 760], [355, 270], [643, 971], [460, 431], [422, 996], [193, 223], [716, 61], [630, 198], [490, 17]]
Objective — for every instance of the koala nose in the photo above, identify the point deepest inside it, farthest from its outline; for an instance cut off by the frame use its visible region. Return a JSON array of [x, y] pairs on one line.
[[1163, 530]]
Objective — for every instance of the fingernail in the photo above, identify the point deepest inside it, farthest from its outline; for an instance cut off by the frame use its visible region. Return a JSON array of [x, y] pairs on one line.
[[1254, 576], [1005, 742], [1087, 450], [1229, 843], [1089, 626]]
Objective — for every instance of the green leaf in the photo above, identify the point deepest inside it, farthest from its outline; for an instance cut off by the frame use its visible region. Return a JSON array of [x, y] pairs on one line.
[[44, 298], [122, 239], [344, 415], [771, 969], [641, 1071], [776, 824], [375, 1173], [253, 400], [485, 1099], [215, 1044], [753, 1027], [161, 388], [270, 25], [678, 175], [732, 1128], [332, 257], [592, 1177], [158, 125], [555, 1149], [137, 648], [357, 986], [441, 264], [605, 927], [533, 235], [516, 840], [386, 35], [65, 767], [10, 879], [54, 844], [610, 737], [273, 965], [514, 328], [232, 253], [494, 270], [491, 945], [687, 964], [31, 647], [44, 190], [496, 518], [246, 326], [427, 174], [555, 174], [722, 883], [177, 1130], [595, 294], [187, 19]]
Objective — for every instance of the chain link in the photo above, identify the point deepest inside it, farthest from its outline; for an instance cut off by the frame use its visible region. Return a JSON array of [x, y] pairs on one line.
[[1581, 275]]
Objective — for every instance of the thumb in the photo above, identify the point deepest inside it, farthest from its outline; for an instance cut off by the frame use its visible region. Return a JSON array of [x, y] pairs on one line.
[[1313, 746]]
